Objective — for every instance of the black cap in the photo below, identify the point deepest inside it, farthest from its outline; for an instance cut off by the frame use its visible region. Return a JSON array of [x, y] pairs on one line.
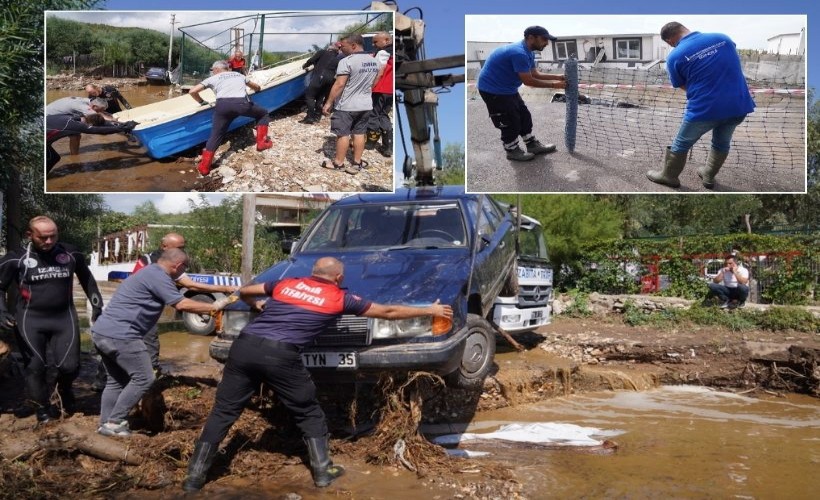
[[539, 31]]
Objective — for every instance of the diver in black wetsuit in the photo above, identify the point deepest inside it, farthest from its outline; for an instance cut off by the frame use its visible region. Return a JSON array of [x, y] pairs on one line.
[[45, 319], [59, 126], [324, 64], [110, 94]]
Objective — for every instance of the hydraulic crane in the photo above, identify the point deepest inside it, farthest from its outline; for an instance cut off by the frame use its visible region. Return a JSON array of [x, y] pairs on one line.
[[419, 87]]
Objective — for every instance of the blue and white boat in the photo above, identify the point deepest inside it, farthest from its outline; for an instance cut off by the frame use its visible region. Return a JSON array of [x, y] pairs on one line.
[[168, 127]]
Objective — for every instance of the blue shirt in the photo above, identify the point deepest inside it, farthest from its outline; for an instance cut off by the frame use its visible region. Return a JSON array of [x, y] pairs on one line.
[[299, 309], [137, 304], [708, 66], [500, 72]]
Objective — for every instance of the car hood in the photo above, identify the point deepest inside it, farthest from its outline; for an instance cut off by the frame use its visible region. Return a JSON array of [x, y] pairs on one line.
[[389, 277]]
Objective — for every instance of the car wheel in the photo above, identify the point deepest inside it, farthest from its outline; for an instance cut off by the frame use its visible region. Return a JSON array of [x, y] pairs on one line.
[[477, 360], [199, 324]]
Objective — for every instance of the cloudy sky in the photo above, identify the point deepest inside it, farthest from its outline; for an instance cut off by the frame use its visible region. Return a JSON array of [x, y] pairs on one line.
[[747, 31], [169, 203], [315, 27]]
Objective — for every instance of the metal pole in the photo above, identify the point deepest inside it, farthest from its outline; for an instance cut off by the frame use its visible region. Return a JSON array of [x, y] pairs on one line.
[[248, 220], [261, 39], [571, 94], [171, 43]]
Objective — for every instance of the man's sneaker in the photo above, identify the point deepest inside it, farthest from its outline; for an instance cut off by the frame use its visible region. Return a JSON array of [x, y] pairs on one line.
[[112, 429], [741, 304], [724, 305], [518, 154], [537, 148]]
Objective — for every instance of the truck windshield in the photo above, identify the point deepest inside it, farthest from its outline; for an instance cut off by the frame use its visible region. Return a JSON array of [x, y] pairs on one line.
[[383, 226], [533, 245]]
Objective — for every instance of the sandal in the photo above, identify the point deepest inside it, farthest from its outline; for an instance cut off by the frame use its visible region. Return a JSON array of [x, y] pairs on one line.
[[332, 165], [355, 168]]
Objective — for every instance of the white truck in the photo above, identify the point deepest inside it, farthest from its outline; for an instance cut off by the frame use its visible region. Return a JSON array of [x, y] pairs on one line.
[[531, 307]]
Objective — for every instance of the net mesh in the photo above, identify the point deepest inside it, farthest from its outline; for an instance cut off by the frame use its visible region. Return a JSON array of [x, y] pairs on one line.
[[635, 113]]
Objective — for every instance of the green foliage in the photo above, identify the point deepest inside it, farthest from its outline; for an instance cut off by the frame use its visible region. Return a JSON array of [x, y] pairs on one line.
[[609, 277], [789, 284], [579, 308], [452, 172], [571, 223], [788, 318], [684, 279], [633, 315]]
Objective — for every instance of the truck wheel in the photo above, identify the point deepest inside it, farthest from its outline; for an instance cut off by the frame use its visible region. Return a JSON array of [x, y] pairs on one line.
[[199, 324], [477, 360]]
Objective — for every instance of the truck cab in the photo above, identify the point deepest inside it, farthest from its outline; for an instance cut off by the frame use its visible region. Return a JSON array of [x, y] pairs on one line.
[[530, 308]]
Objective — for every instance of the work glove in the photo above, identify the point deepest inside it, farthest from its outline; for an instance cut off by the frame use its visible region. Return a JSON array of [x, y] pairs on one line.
[[305, 66], [204, 103], [220, 304], [128, 126], [95, 313], [7, 321]]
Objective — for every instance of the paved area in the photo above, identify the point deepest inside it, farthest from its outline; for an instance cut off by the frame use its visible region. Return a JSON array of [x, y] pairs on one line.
[[601, 164]]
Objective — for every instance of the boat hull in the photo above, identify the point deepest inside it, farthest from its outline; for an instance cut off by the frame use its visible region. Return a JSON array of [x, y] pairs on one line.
[[171, 137]]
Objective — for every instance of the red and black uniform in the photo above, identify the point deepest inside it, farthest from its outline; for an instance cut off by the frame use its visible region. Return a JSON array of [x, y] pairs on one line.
[[46, 317], [269, 350], [237, 64], [382, 96]]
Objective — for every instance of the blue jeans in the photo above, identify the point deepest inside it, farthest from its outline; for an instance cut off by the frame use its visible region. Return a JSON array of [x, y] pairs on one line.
[[722, 131], [129, 376], [725, 294]]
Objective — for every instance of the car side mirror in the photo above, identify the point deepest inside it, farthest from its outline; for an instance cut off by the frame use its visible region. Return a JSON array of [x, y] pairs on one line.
[[484, 241], [287, 246]]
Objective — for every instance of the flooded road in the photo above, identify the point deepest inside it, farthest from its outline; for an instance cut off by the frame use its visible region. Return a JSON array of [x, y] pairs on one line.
[[674, 442], [110, 163]]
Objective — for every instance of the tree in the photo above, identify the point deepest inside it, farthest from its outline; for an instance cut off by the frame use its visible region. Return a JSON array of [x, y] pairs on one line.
[[452, 169], [147, 213], [21, 94], [570, 223]]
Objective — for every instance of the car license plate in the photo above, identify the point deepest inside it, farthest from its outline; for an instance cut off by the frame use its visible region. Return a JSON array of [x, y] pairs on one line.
[[537, 315], [342, 360], [535, 273]]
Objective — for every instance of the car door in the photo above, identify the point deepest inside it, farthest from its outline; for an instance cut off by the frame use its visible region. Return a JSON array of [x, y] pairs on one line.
[[494, 247]]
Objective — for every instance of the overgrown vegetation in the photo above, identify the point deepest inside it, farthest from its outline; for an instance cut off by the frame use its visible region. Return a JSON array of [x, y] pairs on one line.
[[774, 319]]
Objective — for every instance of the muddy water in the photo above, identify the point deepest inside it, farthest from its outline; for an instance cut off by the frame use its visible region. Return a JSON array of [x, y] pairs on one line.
[[675, 442], [109, 163]]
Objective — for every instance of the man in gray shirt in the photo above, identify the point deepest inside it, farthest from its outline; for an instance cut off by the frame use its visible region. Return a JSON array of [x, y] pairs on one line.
[[118, 335], [77, 107], [354, 81]]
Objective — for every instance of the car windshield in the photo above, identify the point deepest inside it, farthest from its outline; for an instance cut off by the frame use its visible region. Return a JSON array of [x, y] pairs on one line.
[[388, 226]]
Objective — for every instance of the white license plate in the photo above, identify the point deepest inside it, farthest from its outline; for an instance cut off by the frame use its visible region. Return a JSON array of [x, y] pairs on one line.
[[537, 315], [535, 272], [343, 360]]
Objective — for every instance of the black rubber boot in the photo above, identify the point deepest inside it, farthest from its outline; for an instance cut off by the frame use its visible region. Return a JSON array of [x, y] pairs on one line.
[[201, 461], [321, 467], [387, 144]]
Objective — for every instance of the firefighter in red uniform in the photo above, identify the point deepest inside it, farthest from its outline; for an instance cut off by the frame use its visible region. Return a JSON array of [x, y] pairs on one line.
[[269, 350]]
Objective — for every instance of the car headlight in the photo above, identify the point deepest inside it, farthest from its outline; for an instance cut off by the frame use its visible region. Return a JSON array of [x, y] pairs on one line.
[[424, 326]]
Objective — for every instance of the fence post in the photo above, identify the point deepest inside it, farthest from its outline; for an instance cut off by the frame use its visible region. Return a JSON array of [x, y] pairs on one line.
[[571, 94]]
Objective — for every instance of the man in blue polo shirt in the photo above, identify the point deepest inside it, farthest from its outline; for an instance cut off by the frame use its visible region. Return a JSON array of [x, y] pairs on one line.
[[707, 67], [506, 69]]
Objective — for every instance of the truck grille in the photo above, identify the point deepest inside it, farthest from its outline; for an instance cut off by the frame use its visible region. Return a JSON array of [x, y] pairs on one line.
[[348, 330], [531, 296]]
